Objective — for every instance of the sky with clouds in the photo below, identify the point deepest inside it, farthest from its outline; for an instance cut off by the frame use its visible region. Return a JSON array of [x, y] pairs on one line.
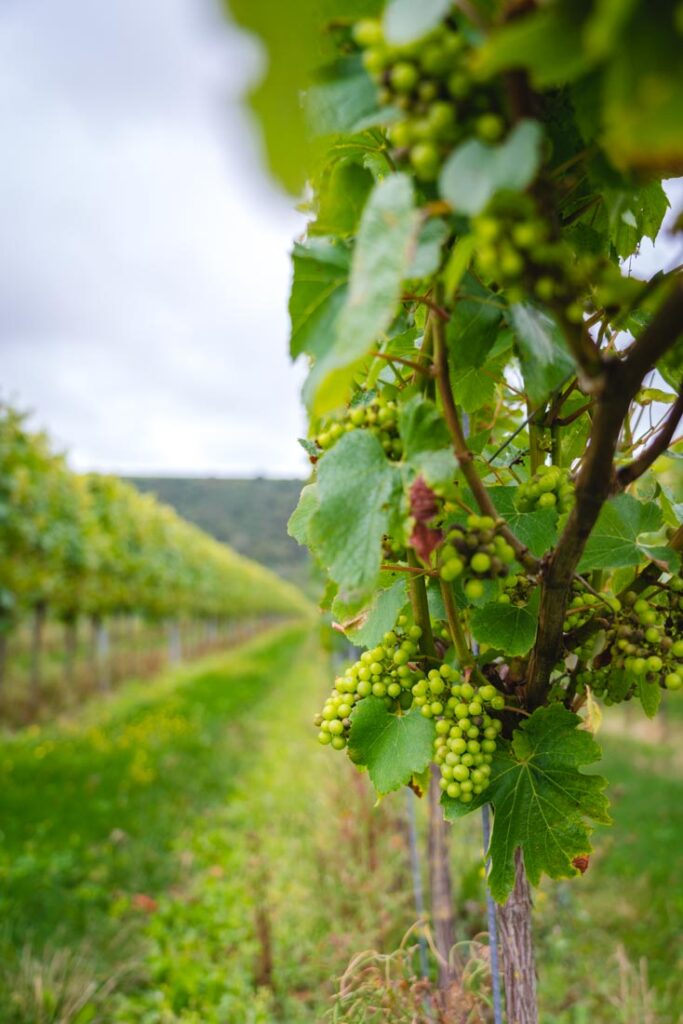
[[145, 267], [144, 275]]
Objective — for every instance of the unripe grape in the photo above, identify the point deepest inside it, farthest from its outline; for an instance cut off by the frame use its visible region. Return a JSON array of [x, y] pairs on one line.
[[489, 127], [374, 60], [480, 562], [367, 32], [424, 156], [451, 569], [474, 589], [404, 76], [441, 116]]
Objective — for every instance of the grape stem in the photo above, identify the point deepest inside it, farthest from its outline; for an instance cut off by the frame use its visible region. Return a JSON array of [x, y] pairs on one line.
[[404, 362], [418, 599], [416, 570], [464, 455], [517, 711]]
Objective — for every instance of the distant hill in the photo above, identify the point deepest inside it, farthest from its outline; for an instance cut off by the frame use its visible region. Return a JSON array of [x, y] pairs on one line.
[[250, 515]]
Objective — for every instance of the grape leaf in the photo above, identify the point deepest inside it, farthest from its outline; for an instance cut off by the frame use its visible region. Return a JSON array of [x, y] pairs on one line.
[[392, 747], [300, 519], [342, 192], [546, 42], [650, 695], [472, 389], [295, 48], [405, 20], [428, 252], [367, 630], [356, 483], [537, 529], [473, 328], [541, 799], [381, 259], [321, 270], [642, 126], [631, 214], [427, 450], [422, 427], [613, 543], [342, 96], [545, 361], [506, 627], [474, 172]]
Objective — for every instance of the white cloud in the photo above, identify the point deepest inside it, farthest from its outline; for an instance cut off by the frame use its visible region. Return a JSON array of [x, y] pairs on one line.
[[143, 290]]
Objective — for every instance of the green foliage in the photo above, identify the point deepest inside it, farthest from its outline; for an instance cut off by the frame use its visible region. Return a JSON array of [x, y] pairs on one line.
[[505, 627], [476, 384], [475, 172], [386, 241], [350, 546], [92, 545], [614, 541], [392, 747]]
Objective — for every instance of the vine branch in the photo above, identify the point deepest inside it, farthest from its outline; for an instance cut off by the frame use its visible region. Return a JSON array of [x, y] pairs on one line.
[[627, 474], [464, 455], [621, 380]]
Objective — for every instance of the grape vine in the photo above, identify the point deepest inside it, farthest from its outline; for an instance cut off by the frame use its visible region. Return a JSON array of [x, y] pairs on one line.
[[492, 396]]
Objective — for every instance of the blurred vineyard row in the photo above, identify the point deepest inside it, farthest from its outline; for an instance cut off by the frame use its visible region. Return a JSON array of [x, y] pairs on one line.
[[77, 548]]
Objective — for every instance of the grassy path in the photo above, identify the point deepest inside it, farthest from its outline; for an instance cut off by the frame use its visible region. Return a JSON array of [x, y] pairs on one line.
[[183, 847]]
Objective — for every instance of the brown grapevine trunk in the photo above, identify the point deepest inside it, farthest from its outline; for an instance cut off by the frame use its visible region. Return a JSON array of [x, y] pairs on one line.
[[440, 881], [39, 614], [516, 939]]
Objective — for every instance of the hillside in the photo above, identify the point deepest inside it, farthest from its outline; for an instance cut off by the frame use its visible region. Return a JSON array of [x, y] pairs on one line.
[[250, 515]]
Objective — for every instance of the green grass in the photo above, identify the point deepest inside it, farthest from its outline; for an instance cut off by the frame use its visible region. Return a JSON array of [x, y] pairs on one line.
[[187, 840], [186, 846]]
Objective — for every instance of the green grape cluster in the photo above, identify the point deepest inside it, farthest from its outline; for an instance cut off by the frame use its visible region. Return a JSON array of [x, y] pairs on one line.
[[388, 670], [549, 487], [379, 416], [476, 552], [514, 246], [584, 606], [516, 590], [393, 550], [466, 732], [645, 642], [466, 739], [430, 83]]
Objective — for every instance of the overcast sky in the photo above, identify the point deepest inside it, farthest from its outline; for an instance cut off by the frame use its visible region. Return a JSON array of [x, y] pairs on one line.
[[144, 267]]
